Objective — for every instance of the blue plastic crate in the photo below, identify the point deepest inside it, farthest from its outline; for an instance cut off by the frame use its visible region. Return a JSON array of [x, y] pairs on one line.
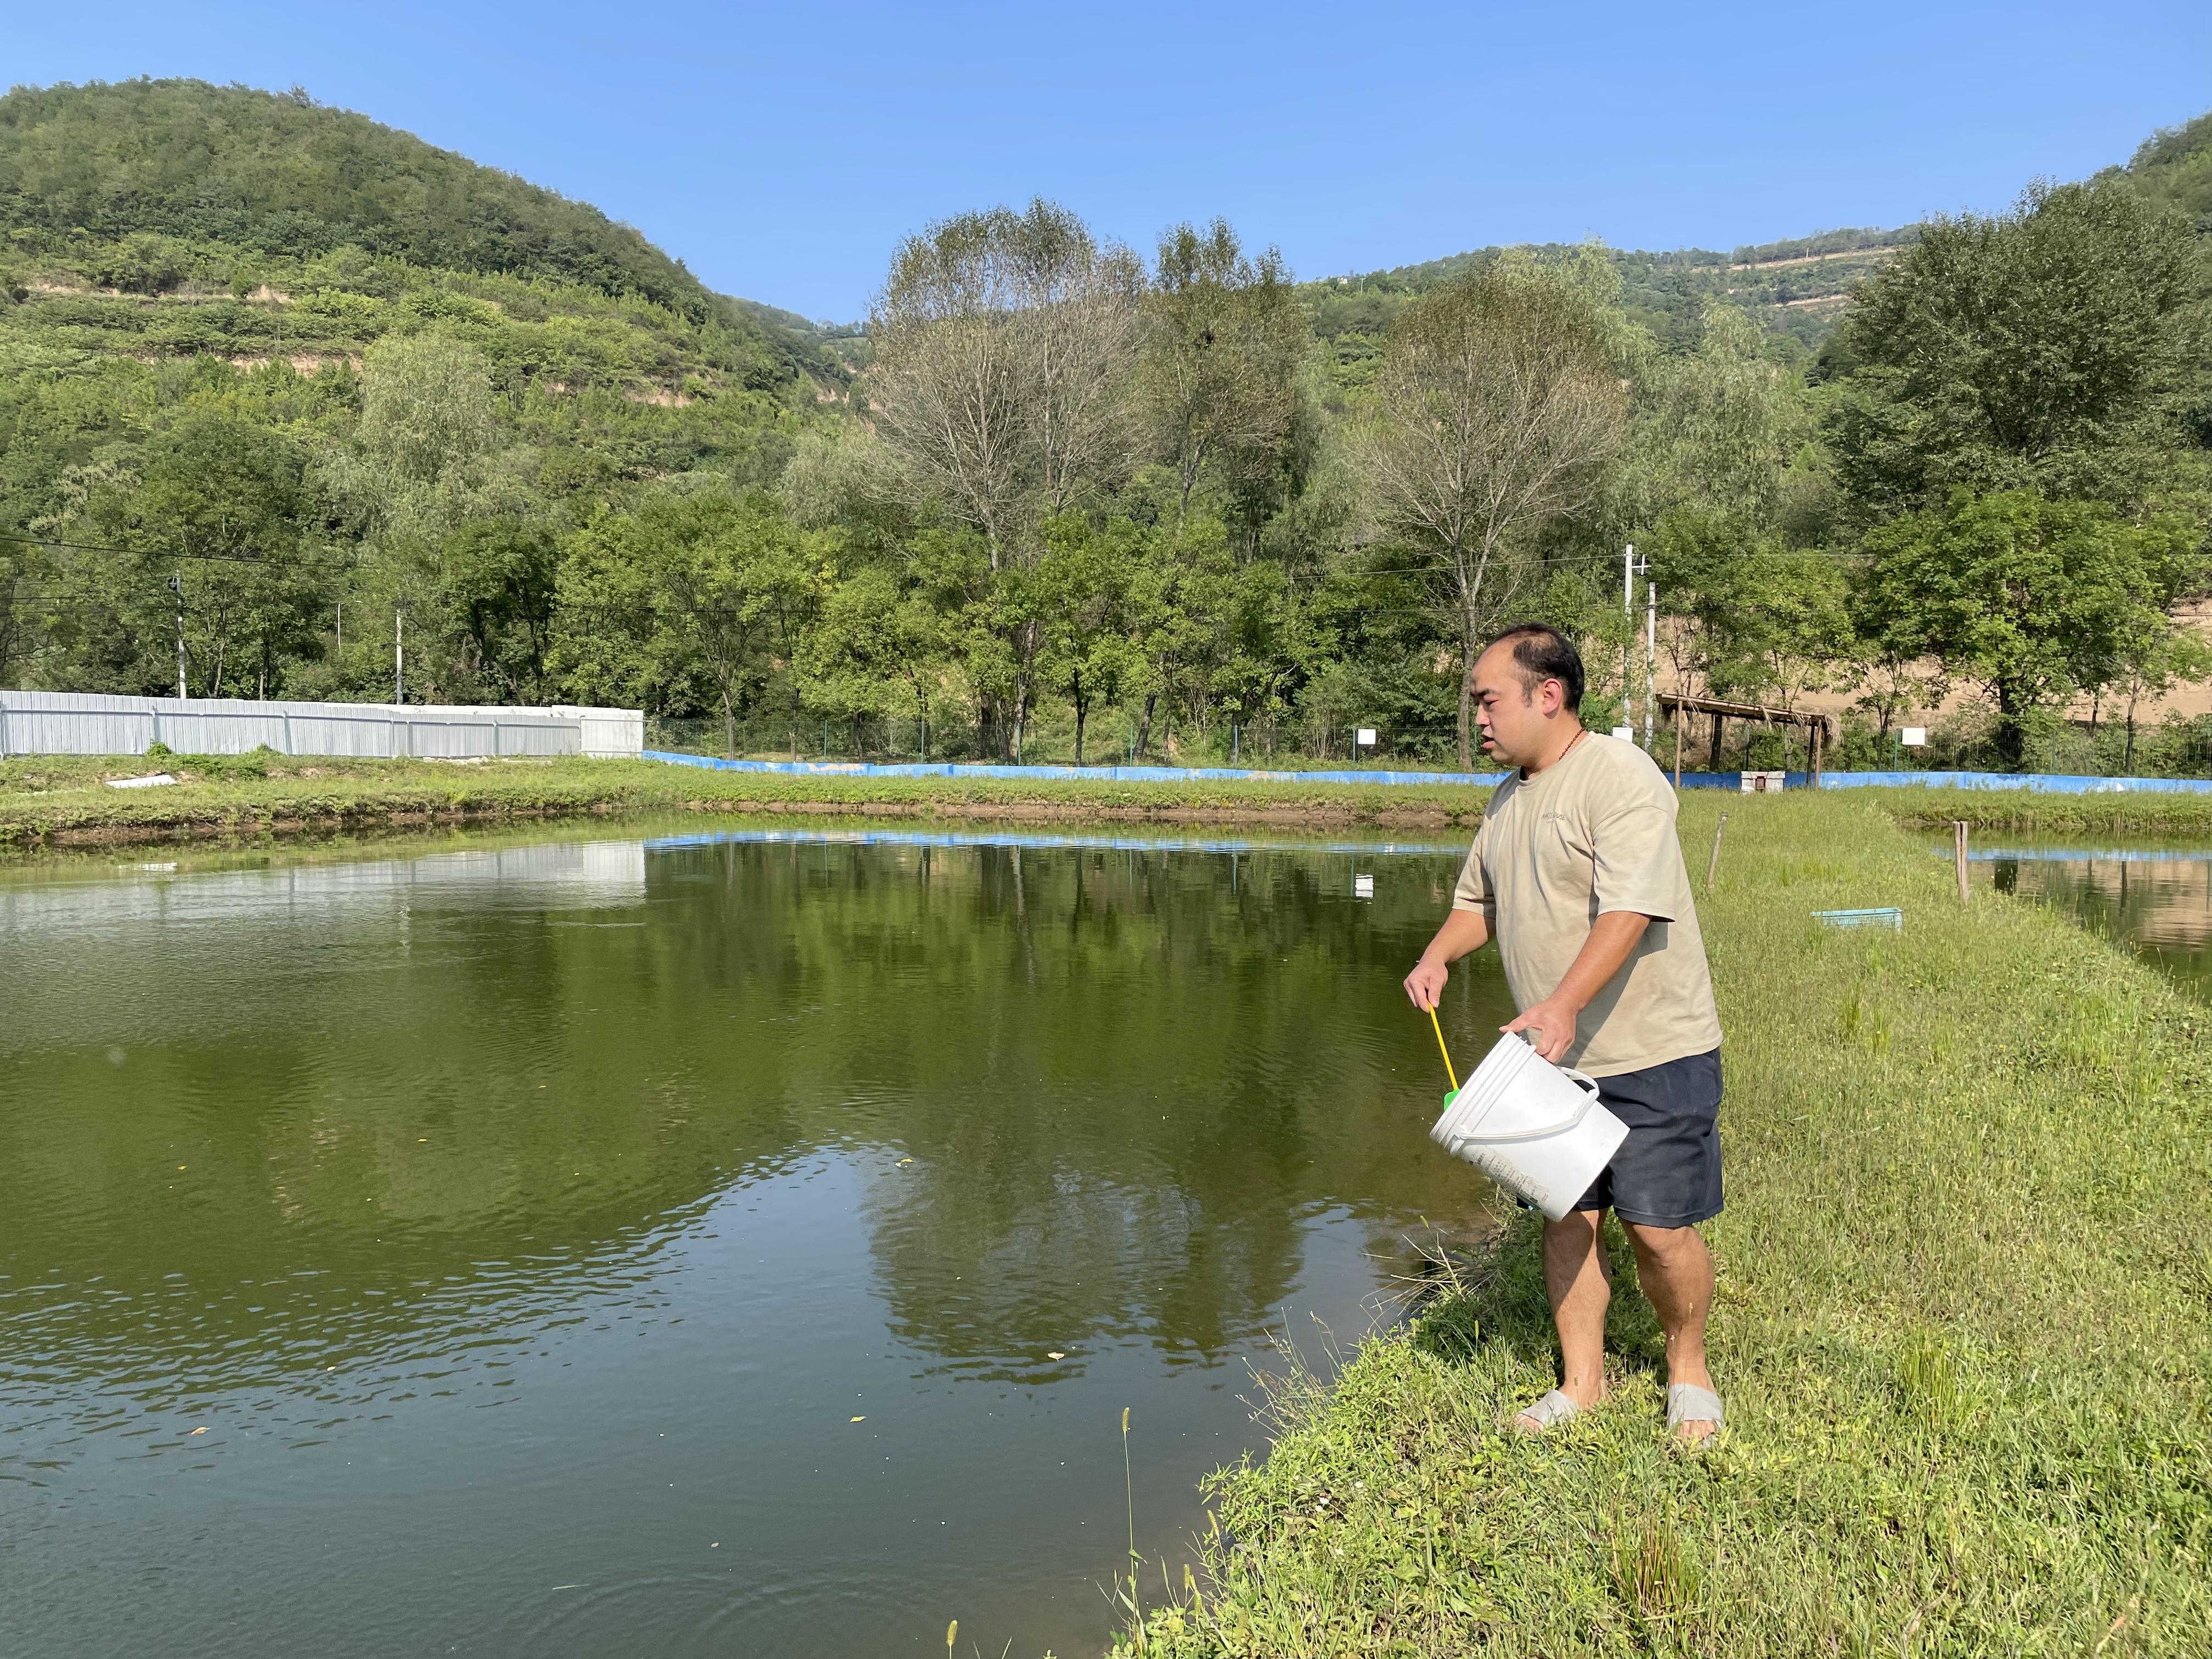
[[1887, 916]]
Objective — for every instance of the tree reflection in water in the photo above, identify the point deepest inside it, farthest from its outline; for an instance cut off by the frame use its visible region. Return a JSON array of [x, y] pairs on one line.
[[635, 1129]]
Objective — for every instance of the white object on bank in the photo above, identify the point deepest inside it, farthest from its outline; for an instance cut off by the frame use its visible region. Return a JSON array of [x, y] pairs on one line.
[[1534, 1128], [153, 782], [1366, 738], [1363, 886]]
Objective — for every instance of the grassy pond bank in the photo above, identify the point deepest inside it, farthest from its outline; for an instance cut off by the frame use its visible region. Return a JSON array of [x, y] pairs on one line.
[[1964, 1327], [63, 800]]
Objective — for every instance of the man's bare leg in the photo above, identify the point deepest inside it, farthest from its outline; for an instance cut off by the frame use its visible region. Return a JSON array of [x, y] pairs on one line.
[[1675, 1271], [1578, 1282]]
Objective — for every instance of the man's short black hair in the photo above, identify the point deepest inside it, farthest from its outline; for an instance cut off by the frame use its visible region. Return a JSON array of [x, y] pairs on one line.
[[1541, 654]]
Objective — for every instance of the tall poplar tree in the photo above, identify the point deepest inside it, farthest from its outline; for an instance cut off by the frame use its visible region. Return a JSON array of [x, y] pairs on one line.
[[1496, 411]]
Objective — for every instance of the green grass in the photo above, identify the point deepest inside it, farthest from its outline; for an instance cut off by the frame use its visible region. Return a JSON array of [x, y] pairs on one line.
[[1964, 1328], [46, 800], [56, 799], [2021, 811]]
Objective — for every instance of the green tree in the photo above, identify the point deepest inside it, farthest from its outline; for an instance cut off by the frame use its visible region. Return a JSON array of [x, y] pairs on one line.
[[1498, 408], [1717, 429], [2153, 659], [689, 604], [2045, 348], [1003, 344], [878, 648], [498, 581], [22, 566], [418, 462], [1224, 336], [1269, 647], [1756, 621], [1083, 585], [215, 517], [2032, 599]]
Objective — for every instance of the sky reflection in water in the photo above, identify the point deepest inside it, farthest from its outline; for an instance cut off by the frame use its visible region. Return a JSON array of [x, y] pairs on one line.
[[2155, 899]]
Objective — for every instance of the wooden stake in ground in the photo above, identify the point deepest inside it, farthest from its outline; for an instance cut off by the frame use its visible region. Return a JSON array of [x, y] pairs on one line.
[[1713, 864], [1959, 857]]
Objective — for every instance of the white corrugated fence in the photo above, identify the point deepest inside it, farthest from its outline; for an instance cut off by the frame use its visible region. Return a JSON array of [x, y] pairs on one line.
[[86, 723]]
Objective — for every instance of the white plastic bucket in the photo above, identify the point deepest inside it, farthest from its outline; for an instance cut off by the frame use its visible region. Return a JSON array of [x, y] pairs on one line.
[[1534, 1128]]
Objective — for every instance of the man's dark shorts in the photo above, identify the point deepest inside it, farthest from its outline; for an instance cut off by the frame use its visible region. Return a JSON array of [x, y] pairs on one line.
[[1668, 1172]]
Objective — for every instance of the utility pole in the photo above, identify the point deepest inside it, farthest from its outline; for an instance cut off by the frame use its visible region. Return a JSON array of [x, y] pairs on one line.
[[1628, 639], [177, 586], [1650, 658], [398, 655], [1631, 568]]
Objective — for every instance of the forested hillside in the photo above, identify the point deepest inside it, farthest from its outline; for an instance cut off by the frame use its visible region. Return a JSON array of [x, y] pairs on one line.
[[151, 185], [1796, 289], [277, 384], [2173, 170]]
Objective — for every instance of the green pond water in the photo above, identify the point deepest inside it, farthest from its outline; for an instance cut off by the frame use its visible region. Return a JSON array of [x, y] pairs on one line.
[[702, 1244], [2154, 898]]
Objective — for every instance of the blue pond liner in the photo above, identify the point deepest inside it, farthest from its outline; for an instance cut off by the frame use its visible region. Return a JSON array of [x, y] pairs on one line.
[[2043, 783], [1076, 774], [2082, 854], [2052, 783], [1047, 840]]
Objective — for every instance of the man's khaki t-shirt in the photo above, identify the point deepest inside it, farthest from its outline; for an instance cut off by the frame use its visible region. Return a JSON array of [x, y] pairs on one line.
[[1593, 832]]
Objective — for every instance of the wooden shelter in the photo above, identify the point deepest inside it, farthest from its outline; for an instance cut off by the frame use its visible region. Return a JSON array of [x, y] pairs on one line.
[[1819, 732]]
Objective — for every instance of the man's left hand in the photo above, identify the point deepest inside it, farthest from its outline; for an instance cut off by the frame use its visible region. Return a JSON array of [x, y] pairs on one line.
[[1553, 1022]]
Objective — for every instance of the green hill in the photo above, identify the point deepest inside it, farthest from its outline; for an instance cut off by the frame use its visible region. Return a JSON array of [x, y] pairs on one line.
[[2173, 168], [271, 225], [1797, 288]]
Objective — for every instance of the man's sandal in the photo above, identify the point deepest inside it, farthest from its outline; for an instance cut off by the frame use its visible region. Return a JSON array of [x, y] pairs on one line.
[[1688, 1403], [1552, 1410]]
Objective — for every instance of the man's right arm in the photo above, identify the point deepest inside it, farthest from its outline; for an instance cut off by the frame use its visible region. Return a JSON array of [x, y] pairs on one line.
[[1463, 931]]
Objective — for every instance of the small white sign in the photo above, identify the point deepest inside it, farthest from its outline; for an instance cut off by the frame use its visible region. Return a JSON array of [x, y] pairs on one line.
[[1914, 736], [1362, 887], [1758, 783], [1366, 737]]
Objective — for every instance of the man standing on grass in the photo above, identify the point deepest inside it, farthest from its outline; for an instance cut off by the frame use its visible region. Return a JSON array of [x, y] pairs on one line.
[[1577, 872]]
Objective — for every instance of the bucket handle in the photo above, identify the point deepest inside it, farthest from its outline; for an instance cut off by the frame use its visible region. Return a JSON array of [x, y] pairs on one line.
[[1586, 1085]]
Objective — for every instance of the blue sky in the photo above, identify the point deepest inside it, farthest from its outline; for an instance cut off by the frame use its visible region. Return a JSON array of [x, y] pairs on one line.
[[780, 151]]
